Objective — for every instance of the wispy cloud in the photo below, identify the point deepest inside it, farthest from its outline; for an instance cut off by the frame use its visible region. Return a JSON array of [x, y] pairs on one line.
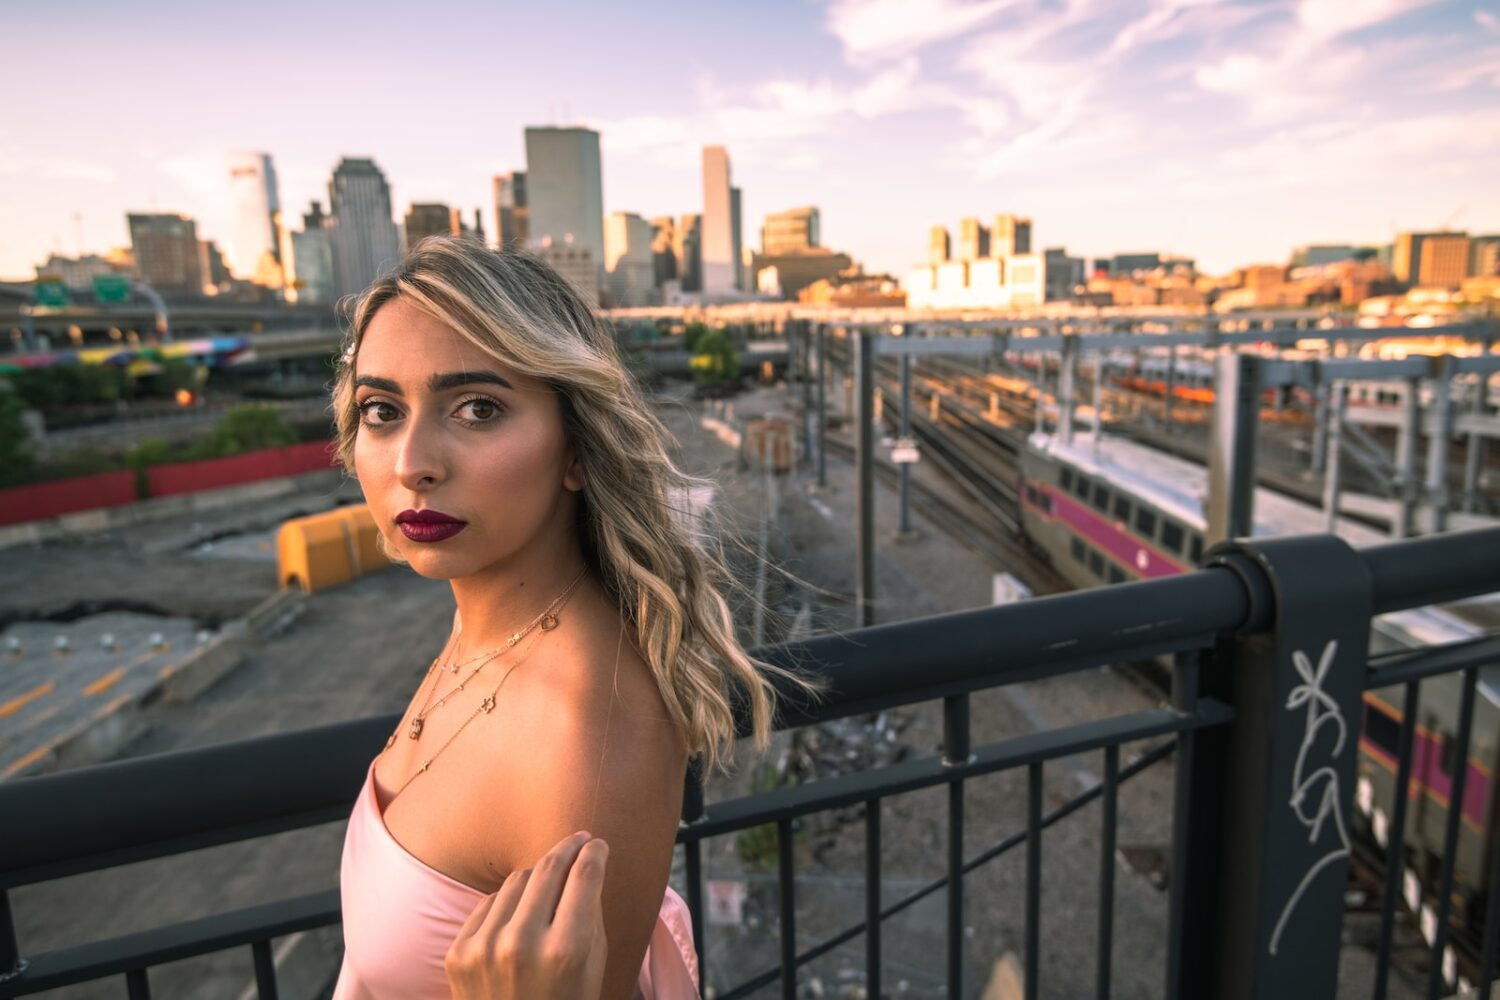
[[873, 28], [63, 168]]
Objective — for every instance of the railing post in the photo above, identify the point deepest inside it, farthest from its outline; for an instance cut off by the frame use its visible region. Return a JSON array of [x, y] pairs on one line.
[[11, 962], [1269, 929]]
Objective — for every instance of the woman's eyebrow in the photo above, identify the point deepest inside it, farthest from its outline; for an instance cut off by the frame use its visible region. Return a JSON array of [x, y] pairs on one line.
[[436, 383]]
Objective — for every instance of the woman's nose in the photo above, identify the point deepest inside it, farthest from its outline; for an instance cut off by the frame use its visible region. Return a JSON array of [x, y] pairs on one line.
[[420, 461]]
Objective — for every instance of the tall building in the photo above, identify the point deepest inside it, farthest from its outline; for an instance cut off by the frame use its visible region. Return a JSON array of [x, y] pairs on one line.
[[687, 245], [939, 245], [663, 250], [426, 219], [790, 231], [1406, 256], [797, 269], [719, 249], [1484, 256], [973, 240], [166, 253], [1011, 235], [307, 259], [211, 268], [255, 207], [576, 263], [565, 189], [736, 231], [629, 260], [1064, 274], [1444, 261], [365, 242], [511, 216]]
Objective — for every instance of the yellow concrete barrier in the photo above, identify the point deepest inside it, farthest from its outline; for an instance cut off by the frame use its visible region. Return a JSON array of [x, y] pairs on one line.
[[328, 549]]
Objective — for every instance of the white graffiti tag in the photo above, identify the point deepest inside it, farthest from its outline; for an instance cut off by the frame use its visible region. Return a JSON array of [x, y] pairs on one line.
[[1315, 795]]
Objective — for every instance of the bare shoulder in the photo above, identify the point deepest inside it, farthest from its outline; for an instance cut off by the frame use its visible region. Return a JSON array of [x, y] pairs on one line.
[[589, 745]]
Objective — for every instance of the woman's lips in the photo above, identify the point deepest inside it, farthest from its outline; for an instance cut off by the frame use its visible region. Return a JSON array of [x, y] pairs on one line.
[[428, 525], [418, 531]]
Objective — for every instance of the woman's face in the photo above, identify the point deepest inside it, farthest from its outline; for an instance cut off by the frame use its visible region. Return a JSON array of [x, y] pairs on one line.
[[445, 430]]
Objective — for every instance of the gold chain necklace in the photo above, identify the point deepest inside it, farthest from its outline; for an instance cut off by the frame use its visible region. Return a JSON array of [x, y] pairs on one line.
[[485, 707], [547, 620]]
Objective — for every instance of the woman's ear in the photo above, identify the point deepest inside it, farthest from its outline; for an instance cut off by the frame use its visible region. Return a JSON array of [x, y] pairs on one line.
[[574, 478]]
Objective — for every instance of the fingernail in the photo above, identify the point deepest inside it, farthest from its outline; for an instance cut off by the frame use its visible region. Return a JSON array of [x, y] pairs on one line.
[[583, 833]]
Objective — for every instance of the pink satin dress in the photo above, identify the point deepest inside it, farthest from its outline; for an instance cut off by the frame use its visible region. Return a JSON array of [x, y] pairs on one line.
[[400, 916]]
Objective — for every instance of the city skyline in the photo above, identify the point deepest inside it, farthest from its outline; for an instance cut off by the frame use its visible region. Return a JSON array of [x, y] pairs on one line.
[[1226, 132]]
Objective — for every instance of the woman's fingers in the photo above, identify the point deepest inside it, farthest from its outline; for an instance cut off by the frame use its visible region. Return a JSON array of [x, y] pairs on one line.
[[547, 879], [581, 908]]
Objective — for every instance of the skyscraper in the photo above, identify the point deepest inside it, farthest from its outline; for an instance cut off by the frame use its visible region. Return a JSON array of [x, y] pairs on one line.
[[1444, 260], [790, 231], [1011, 235], [939, 245], [565, 189], [511, 215], [364, 235], [252, 229], [628, 259], [719, 249], [166, 253], [973, 240], [307, 259], [663, 249], [688, 245], [426, 219]]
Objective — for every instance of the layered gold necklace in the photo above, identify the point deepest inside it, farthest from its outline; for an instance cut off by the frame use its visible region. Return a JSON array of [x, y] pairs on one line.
[[546, 621]]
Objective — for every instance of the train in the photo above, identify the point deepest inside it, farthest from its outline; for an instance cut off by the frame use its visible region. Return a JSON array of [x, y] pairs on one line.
[[1116, 510]]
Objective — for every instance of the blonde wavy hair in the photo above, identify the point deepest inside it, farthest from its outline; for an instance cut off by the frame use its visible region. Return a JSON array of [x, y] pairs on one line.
[[667, 584]]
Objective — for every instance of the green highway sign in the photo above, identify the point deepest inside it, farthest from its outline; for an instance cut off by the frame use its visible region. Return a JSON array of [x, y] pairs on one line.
[[52, 293], [112, 288]]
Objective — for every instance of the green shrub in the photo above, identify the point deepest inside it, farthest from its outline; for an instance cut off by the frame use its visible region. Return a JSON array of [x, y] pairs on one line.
[[249, 428], [714, 360], [17, 463]]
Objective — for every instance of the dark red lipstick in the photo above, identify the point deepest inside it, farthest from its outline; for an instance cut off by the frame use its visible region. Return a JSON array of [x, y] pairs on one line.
[[428, 525]]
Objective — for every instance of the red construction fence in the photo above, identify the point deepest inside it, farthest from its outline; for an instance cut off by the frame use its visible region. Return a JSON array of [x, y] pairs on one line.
[[112, 489]]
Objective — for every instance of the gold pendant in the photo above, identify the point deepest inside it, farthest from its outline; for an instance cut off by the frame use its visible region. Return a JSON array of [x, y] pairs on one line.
[[549, 622], [416, 728], [486, 705]]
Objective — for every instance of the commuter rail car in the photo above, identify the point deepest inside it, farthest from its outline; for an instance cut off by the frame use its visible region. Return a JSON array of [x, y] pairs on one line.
[[1122, 511]]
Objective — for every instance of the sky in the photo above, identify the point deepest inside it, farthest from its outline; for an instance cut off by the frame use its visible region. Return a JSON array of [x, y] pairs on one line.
[[1226, 131]]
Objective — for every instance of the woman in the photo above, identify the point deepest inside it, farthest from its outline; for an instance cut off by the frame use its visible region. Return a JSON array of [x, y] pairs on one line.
[[502, 446]]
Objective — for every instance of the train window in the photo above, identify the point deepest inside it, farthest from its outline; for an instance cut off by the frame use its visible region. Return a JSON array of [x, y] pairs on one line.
[[1081, 487], [1101, 497], [1122, 509], [1171, 535], [1381, 729], [1067, 478], [1078, 550], [1116, 575], [1096, 563], [1145, 522], [1195, 548]]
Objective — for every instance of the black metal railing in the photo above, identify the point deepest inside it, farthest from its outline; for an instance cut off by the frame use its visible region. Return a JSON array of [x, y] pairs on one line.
[[1269, 646]]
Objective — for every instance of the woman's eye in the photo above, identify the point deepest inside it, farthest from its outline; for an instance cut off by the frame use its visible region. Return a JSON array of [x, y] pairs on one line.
[[481, 410], [374, 404]]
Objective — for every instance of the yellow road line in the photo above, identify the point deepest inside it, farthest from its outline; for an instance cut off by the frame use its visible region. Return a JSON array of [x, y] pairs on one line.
[[16, 767], [16, 704], [106, 682]]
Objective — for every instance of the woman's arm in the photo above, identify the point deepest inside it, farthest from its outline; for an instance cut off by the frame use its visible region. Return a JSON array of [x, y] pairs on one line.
[[541, 935]]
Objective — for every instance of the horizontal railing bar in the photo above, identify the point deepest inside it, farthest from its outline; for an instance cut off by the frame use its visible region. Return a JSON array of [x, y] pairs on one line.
[[149, 807], [991, 647], [908, 776], [66, 966], [848, 934], [1430, 661], [1431, 569]]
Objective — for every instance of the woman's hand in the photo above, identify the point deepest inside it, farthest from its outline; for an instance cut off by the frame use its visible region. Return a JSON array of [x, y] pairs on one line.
[[541, 935]]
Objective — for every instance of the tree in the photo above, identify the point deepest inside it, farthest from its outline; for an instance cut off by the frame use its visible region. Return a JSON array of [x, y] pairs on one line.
[[17, 463], [250, 428], [714, 360]]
